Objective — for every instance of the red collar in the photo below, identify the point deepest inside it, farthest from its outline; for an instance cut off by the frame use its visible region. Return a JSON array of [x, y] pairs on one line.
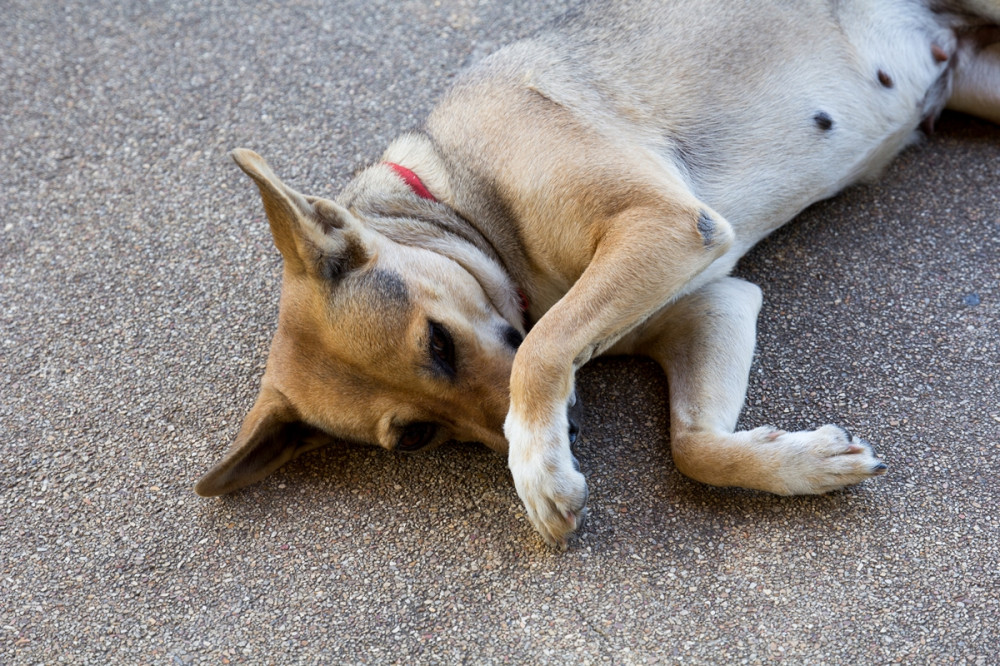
[[413, 180]]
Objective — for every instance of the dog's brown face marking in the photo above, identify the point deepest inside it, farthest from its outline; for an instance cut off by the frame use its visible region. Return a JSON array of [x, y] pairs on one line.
[[378, 289], [387, 354]]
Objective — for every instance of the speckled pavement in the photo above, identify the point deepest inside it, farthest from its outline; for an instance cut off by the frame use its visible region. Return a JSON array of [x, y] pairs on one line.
[[138, 294]]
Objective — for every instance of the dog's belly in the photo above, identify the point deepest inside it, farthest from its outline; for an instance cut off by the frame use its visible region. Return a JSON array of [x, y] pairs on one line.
[[765, 107], [762, 108], [836, 115]]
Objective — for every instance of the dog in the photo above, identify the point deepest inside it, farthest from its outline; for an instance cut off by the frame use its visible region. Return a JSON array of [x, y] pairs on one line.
[[587, 191]]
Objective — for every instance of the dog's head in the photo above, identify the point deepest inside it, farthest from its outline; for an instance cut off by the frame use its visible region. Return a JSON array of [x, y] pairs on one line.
[[378, 341]]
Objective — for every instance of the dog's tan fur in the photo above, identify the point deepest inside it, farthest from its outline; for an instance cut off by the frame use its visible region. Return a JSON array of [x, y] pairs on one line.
[[613, 169]]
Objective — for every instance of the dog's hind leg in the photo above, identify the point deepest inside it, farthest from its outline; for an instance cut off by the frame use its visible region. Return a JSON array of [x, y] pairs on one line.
[[705, 344], [976, 79]]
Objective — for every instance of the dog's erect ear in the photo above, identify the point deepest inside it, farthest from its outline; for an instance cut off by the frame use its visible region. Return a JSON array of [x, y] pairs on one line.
[[311, 233], [271, 436]]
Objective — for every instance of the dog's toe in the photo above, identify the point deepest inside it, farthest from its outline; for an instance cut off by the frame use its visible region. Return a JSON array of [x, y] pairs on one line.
[[825, 459], [548, 479], [554, 500]]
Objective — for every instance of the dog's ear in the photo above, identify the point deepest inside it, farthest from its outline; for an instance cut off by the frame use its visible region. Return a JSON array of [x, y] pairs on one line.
[[312, 234], [272, 434]]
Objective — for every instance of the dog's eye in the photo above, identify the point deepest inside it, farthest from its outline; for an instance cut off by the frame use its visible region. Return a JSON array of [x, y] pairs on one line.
[[416, 436], [442, 348]]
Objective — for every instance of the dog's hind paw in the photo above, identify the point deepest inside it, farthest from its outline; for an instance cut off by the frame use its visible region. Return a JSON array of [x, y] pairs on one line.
[[818, 461], [548, 481]]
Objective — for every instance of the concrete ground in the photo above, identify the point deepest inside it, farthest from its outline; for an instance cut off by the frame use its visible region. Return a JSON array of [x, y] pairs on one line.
[[138, 291]]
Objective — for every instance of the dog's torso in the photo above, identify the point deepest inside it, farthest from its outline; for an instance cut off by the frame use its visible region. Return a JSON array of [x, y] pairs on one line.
[[606, 174], [535, 139]]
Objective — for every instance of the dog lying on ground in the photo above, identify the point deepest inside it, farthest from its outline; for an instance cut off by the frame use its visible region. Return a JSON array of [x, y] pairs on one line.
[[588, 191]]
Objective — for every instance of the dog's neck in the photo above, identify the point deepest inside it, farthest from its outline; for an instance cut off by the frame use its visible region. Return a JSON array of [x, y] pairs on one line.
[[407, 203], [471, 196], [418, 188]]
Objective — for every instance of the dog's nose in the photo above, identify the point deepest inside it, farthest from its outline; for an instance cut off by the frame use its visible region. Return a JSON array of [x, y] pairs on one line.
[[574, 412]]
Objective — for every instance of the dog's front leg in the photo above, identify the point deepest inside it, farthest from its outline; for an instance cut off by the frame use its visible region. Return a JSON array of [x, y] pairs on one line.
[[705, 343], [644, 258]]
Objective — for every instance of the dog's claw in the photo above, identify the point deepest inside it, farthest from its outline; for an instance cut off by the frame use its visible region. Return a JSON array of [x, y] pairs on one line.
[[880, 469]]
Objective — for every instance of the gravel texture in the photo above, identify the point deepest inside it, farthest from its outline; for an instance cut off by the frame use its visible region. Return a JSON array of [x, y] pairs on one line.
[[138, 294]]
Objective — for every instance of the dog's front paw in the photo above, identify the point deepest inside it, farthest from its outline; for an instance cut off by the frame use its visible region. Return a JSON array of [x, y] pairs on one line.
[[548, 480], [821, 460]]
